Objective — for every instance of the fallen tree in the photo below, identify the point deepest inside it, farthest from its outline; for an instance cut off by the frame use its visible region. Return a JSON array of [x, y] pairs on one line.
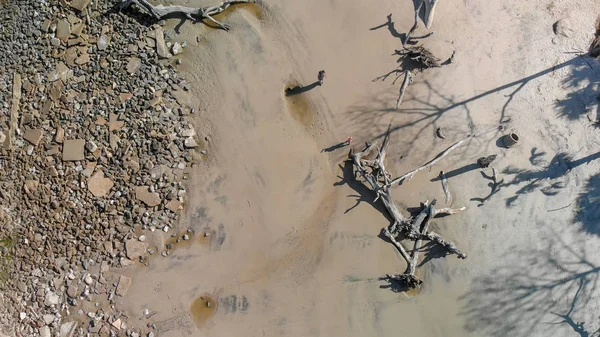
[[380, 181], [192, 13]]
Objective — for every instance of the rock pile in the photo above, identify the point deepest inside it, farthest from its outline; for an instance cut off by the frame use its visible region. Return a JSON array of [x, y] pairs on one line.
[[93, 147]]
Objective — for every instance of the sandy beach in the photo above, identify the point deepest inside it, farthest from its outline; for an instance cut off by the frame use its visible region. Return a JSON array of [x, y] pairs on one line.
[[286, 238]]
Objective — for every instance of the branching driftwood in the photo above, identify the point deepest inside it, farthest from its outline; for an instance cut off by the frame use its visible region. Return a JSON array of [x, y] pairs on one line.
[[417, 229], [192, 13]]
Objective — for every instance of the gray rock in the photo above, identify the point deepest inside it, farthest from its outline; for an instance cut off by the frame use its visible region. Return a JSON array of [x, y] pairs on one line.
[[45, 332], [161, 46], [48, 318], [133, 65], [102, 42], [68, 329], [176, 49], [51, 299], [190, 142], [91, 146]]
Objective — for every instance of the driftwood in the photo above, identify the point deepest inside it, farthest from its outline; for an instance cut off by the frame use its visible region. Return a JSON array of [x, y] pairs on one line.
[[407, 80], [410, 174], [192, 13], [429, 12], [440, 133], [445, 187], [380, 181], [415, 25]]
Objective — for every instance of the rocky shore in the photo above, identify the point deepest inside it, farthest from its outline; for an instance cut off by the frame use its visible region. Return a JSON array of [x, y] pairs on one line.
[[94, 152]]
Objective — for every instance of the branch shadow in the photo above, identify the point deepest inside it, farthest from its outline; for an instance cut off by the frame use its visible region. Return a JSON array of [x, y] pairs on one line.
[[516, 299], [391, 27], [430, 113], [585, 78], [587, 210], [549, 179]]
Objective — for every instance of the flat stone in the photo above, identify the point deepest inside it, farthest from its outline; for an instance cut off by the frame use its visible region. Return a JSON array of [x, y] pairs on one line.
[[61, 72], [188, 132], [59, 136], [2, 137], [125, 96], [135, 249], [123, 286], [99, 185], [161, 46], [133, 65], [63, 30], [190, 142], [73, 290], [89, 169], [34, 136], [83, 59], [147, 197], [48, 318], [117, 324], [79, 5], [114, 123], [73, 149], [45, 332], [68, 329], [155, 101], [174, 205], [51, 299], [31, 186]]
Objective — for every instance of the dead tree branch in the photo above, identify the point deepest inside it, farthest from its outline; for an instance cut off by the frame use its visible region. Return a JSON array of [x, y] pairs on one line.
[[370, 163], [408, 78], [410, 174], [192, 13], [429, 12], [445, 187]]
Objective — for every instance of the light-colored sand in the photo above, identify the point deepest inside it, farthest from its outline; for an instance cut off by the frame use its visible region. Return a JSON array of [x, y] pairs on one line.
[[291, 257]]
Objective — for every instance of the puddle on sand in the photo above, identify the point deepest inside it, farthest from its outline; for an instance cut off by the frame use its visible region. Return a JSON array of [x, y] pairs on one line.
[[203, 308], [299, 106]]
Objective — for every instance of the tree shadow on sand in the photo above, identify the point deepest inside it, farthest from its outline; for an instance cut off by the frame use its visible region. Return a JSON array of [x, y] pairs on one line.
[[549, 179], [587, 210], [542, 288], [584, 77]]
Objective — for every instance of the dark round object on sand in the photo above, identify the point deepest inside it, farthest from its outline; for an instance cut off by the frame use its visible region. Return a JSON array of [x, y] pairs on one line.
[[510, 140]]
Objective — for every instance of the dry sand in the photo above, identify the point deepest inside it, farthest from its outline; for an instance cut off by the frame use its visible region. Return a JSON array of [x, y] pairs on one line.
[[290, 255]]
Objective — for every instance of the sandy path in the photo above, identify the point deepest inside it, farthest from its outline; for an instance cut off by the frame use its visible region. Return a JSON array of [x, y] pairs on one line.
[[288, 257]]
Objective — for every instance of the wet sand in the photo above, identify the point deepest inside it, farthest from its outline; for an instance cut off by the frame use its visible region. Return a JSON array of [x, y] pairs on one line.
[[291, 253]]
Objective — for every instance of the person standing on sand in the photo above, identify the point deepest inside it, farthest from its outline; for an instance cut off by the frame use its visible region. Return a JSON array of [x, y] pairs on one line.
[[349, 141], [321, 76]]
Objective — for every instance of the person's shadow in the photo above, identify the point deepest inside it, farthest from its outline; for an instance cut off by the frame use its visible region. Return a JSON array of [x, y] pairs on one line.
[[299, 89], [335, 147]]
